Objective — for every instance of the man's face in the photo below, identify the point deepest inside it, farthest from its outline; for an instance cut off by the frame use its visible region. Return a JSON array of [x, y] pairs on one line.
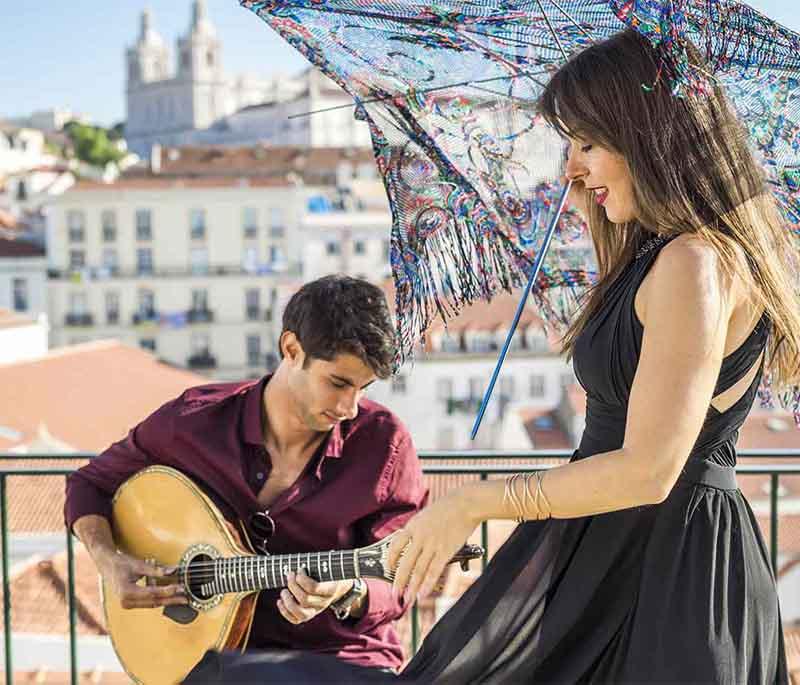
[[327, 392]]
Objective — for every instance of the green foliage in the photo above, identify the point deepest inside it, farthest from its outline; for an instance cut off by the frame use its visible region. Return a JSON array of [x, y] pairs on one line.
[[92, 144]]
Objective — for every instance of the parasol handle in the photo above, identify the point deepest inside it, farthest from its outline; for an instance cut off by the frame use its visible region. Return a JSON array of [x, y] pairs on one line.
[[536, 267]]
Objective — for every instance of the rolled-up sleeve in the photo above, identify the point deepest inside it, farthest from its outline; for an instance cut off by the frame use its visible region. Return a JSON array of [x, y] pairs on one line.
[[91, 488], [405, 494]]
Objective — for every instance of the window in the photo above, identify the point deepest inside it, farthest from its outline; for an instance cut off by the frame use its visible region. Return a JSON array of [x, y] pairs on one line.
[[108, 219], [112, 308], [566, 379], [144, 225], [250, 222], [277, 228], [252, 303], [200, 300], [199, 260], [359, 247], [78, 304], [444, 389], [399, 385], [537, 385], [387, 246], [20, 294], [148, 344], [147, 304], [197, 224], [210, 58], [254, 350], [250, 259], [276, 255], [144, 260], [76, 226], [77, 259], [332, 247], [110, 259]]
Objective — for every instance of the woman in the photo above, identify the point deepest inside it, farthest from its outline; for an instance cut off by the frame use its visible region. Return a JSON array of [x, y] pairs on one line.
[[640, 560]]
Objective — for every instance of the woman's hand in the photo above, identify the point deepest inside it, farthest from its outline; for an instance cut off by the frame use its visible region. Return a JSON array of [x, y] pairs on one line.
[[421, 551]]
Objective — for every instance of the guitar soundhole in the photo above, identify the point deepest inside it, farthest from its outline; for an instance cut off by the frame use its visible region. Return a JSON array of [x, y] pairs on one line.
[[199, 573]]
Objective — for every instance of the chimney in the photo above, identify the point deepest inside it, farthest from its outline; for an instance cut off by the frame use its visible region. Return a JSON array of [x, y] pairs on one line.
[[155, 159]]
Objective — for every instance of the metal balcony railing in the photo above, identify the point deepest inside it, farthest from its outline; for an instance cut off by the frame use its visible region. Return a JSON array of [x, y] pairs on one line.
[[430, 467]]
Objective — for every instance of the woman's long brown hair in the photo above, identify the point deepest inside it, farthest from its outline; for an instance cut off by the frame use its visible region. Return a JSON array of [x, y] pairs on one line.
[[693, 172]]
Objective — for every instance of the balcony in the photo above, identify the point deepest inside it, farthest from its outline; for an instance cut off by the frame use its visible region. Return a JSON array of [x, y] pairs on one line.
[[202, 360], [94, 273], [199, 316], [79, 320], [145, 316], [21, 474]]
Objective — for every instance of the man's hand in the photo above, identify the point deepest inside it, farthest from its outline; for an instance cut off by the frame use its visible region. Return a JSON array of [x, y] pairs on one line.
[[304, 597], [123, 573]]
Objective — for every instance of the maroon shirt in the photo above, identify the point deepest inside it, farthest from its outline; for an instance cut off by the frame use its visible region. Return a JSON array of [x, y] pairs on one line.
[[363, 482]]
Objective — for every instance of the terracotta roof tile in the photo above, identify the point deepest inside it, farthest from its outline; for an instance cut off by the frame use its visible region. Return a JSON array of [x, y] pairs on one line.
[[87, 395]]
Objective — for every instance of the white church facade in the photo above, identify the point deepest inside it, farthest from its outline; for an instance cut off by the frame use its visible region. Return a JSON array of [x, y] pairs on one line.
[[196, 103]]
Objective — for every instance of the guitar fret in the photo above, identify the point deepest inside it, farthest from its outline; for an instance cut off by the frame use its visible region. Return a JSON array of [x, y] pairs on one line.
[[272, 572], [330, 565], [341, 563]]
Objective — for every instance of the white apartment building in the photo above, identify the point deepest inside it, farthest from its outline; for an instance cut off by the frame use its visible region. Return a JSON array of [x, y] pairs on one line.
[[196, 257], [192, 269]]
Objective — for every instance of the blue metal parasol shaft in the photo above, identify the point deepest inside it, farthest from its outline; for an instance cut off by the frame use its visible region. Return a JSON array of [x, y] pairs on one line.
[[536, 267]]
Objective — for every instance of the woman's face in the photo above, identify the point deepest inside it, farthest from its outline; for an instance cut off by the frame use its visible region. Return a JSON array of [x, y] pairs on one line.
[[606, 175]]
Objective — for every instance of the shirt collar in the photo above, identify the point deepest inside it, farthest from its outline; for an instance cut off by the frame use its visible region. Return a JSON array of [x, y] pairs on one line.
[[253, 430]]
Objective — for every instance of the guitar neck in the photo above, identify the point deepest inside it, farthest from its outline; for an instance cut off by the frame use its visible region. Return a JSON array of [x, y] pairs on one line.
[[251, 573]]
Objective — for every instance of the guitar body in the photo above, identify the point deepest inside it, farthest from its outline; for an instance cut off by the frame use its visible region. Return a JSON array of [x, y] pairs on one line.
[[157, 514]]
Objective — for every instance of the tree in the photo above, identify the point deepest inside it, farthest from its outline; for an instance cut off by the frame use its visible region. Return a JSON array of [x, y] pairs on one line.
[[92, 144]]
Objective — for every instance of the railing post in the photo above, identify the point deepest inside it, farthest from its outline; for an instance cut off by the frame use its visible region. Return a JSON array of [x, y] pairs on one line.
[[773, 523], [73, 645], [414, 628], [9, 666], [484, 535]]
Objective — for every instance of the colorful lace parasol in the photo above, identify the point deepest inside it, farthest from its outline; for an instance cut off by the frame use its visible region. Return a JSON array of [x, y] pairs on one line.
[[448, 90]]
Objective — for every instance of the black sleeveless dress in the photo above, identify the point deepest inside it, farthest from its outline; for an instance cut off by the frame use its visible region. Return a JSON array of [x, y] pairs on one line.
[[679, 592]]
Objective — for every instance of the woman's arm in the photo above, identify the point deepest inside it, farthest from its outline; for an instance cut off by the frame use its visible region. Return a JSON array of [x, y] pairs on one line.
[[687, 306]]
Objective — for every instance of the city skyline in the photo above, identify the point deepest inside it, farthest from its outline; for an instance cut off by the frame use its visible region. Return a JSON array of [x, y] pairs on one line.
[[45, 69]]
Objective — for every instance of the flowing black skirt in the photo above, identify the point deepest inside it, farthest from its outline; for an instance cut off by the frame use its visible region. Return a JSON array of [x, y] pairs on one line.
[[679, 592]]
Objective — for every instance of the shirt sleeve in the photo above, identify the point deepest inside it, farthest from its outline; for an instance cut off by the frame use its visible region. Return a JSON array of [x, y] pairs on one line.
[[90, 489], [405, 495]]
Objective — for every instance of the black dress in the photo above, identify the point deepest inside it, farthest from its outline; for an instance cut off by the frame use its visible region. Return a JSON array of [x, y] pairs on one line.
[[679, 592]]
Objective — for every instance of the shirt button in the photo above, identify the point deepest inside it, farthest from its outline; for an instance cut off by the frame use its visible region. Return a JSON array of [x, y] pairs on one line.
[[260, 476]]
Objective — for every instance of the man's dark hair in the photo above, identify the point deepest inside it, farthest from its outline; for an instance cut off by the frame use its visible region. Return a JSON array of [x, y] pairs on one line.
[[342, 315]]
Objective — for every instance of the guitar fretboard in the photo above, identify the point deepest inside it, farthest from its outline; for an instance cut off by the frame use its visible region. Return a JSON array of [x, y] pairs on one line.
[[245, 574]]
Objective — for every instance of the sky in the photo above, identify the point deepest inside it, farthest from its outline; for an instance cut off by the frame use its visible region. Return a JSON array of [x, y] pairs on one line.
[[71, 54]]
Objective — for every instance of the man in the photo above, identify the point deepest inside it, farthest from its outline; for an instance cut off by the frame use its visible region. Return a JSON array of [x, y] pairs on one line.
[[300, 458]]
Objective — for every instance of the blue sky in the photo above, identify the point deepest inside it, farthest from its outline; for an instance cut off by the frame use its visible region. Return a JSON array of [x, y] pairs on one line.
[[59, 54]]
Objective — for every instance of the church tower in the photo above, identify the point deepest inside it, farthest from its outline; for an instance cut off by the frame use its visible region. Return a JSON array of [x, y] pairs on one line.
[[200, 68], [148, 59]]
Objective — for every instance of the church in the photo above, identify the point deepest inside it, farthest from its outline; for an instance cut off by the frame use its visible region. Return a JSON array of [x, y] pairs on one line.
[[196, 103]]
